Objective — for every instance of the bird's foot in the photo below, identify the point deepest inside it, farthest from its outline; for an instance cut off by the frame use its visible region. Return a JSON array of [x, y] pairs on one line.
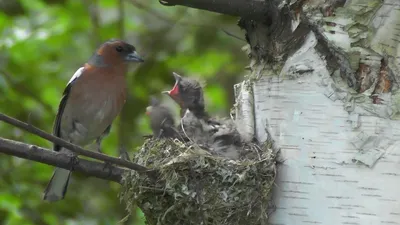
[[98, 143], [74, 161], [124, 155], [107, 165]]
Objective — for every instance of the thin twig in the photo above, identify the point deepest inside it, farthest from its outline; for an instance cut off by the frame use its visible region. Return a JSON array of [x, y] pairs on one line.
[[184, 132], [70, 146], [232, 35], [38, 154], [123, 114]]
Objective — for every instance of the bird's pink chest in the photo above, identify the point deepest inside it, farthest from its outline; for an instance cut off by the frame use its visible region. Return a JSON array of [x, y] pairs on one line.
[[103, 99], [94, 102]]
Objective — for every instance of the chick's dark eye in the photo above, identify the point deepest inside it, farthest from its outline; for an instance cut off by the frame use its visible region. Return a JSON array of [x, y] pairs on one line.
[[119, 48]]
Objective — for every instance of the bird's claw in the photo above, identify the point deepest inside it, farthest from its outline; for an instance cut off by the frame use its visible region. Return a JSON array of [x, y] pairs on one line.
[[74, 161], [98, 144], [124, 155], [99, 147], [108, 166]]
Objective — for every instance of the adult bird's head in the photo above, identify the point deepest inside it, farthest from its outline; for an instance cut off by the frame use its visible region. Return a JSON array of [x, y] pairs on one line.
[[188, 93], [114, 53]]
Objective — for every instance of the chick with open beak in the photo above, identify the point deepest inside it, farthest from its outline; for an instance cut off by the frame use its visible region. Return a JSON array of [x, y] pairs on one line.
[[220, 136], [188, 94], [161, 119]]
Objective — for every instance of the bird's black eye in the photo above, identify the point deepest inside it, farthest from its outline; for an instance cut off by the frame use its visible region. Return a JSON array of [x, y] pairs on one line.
[[119, 48]]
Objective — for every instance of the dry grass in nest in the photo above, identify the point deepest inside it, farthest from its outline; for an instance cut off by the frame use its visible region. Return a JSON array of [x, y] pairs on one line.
[[196, 187]]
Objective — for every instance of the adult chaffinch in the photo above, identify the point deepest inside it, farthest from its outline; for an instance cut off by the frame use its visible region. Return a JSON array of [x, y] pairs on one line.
[[219, 135], [162, 122], [92, 99]]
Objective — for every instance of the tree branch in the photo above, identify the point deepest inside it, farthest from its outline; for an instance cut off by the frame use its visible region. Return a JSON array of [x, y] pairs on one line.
[[38, 154], [76, 149], [249, 9]]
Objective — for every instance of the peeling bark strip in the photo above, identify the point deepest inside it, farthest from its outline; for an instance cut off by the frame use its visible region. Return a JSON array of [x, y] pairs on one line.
[[38, 154], [363, 78], [328, 9], [384, 84], [361, 39]]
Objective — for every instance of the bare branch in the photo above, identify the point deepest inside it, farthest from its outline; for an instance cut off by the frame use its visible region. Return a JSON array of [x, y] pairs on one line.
[[121, 29], [249, 9], [70, 146], [38, 154]]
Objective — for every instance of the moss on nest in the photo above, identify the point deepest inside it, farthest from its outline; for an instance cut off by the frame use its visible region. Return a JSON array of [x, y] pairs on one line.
[[196, 187]]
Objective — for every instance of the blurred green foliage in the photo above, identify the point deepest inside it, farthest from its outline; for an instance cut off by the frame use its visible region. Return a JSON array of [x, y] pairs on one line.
[[42, 44]]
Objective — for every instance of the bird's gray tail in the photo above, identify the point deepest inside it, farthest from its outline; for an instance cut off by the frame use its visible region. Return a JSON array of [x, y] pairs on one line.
[[57, 187]]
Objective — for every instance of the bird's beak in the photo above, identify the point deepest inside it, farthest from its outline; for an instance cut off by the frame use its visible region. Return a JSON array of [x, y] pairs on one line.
[[148, 110], [177, 76], [175, 89], [134, 57]]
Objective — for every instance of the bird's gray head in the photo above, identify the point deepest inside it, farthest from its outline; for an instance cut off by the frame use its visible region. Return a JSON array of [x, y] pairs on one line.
[[187, 92], [114, 52]]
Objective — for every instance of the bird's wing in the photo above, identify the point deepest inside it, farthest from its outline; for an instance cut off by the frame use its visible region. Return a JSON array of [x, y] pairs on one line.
[[76, 75], [170, 121], [57, 122]]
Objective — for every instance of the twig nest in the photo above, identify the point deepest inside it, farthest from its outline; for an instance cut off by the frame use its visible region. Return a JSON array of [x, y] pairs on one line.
[[196, 187]]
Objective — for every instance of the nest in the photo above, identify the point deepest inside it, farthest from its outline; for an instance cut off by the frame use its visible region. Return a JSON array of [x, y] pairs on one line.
[[194, 186]]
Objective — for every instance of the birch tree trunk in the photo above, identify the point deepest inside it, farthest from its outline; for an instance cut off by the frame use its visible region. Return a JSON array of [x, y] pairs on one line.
[[322, 84]]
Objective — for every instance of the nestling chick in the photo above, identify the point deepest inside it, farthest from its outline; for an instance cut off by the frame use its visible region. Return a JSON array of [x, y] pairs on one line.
[[194, 128], [161, 119], [188, 93], [220, 136], [227, 140], [92, 99]]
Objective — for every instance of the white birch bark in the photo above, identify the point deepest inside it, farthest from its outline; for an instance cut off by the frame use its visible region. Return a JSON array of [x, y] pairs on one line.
[[336, 124]]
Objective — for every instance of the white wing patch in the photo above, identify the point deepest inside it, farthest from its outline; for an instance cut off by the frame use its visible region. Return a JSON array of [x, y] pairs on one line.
[[77, 74]]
